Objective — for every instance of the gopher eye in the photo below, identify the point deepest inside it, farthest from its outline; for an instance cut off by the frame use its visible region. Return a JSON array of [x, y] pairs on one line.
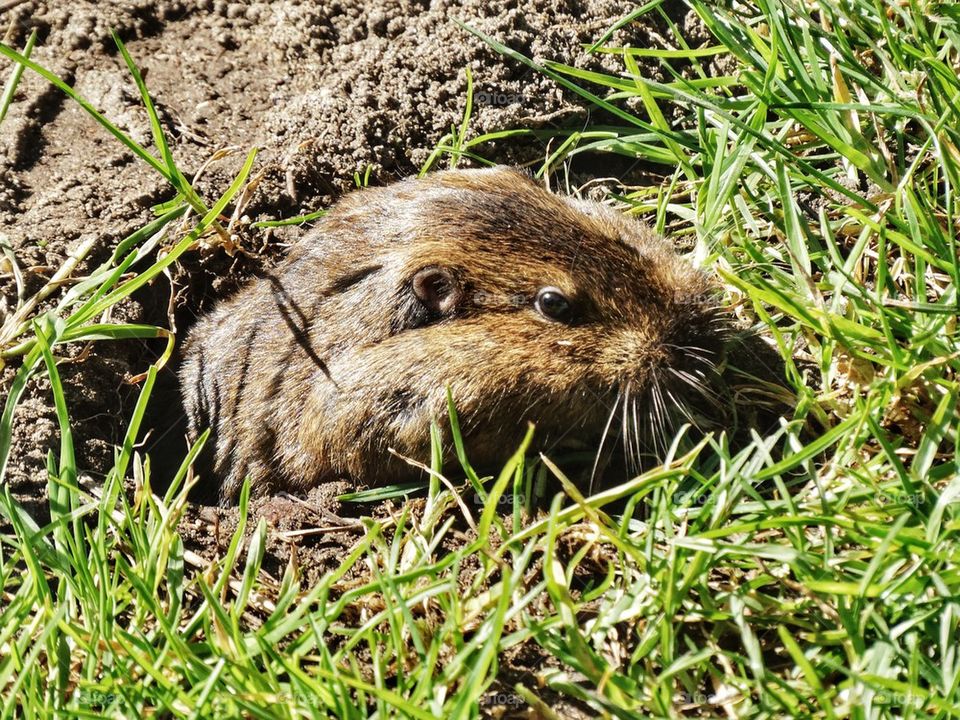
[[553, 304]]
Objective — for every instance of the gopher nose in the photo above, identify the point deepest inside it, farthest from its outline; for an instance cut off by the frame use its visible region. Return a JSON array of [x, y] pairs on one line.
[[641, 352], [631, 353]]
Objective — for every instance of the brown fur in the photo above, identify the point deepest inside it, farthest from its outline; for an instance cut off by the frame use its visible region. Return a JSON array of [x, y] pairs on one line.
[[317, 370]]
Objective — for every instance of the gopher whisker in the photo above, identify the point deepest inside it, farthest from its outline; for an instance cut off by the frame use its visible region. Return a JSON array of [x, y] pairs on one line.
[[606, 433]]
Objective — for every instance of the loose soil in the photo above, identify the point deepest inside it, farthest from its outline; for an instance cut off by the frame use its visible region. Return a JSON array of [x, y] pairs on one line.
[[327, 90]]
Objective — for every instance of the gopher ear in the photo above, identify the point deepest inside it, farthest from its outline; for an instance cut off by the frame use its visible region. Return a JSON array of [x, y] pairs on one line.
[[437, 288]]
